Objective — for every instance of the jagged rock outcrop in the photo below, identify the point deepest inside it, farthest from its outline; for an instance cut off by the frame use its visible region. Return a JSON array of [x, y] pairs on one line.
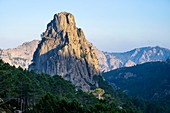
[[65, 51], [110, 61], [21, 55]]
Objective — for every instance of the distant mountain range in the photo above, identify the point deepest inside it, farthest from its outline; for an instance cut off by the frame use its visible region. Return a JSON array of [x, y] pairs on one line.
[[110, 61], [21, 55], [149, 80]]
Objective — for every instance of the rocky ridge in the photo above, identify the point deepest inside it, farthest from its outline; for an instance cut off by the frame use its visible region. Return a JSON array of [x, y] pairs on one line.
[[21, 55], [111, 61], [107, 61], [65, 51]]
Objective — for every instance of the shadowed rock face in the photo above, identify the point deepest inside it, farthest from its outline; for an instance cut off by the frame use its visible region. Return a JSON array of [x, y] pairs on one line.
[[65, 51]]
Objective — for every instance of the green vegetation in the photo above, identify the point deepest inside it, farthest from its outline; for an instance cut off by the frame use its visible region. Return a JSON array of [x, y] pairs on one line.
[[98, 92], [41, 93], [83, 55], [149, 81]]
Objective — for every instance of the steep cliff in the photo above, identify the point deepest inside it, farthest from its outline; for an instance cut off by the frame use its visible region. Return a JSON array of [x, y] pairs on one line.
[[65, 51]]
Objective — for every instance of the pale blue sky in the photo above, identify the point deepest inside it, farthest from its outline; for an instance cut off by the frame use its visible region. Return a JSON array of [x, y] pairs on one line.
[[111, 25]]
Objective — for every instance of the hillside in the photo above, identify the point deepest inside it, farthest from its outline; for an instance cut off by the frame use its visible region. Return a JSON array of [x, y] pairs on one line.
[[41, 93], [149, 81]]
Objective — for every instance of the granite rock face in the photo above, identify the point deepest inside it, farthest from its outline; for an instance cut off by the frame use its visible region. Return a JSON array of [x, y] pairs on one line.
[[64, 51], [21, 55]]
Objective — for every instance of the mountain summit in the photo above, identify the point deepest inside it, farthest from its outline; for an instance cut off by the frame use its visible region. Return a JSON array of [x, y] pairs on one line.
[[65, 51]]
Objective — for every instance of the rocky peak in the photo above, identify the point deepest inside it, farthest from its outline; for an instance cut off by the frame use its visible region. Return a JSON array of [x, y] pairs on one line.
[[65, 51], [62, 22]]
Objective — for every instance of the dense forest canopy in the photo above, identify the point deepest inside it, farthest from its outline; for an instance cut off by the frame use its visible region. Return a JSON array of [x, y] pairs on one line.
[[40, 93], [149, 81]]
